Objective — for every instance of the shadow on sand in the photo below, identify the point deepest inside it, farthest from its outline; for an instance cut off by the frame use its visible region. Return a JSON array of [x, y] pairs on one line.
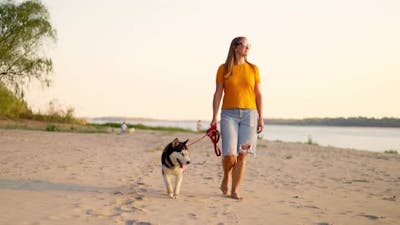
[[39, 185]]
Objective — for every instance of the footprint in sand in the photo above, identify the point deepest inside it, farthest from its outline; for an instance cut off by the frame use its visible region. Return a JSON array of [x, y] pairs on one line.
[[104, 212], [207, 179], [140, 181], [193, 216], [126, 208], [133, 222], [371, 217]]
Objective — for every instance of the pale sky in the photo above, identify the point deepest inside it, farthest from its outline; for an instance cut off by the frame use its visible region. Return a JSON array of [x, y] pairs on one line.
[[158, 58]]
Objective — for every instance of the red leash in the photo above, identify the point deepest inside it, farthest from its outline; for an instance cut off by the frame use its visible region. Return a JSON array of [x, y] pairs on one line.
[[214, 135]]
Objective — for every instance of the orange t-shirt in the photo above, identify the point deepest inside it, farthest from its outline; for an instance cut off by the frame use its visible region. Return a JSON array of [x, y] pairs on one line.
[[239, 86]]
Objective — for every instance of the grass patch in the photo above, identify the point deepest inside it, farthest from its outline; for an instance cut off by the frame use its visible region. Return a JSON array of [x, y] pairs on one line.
[[390, 151], [55, 114], [16, 108], [16, 114], [80, 128], [51, 127]]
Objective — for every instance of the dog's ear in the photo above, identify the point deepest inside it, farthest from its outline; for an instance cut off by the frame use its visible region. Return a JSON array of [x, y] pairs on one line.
[[175, 142], [185, 142]]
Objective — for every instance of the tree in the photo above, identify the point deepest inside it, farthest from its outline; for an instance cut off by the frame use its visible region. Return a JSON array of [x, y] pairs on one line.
[[24, 29]]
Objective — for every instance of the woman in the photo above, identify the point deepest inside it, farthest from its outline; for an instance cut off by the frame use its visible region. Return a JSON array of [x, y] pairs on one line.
[[241, 114]]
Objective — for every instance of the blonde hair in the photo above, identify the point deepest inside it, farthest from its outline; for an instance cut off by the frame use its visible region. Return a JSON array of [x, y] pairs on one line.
[[231, 58]]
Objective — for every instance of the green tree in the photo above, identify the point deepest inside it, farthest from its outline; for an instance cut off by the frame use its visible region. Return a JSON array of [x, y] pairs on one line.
[[24, 29]]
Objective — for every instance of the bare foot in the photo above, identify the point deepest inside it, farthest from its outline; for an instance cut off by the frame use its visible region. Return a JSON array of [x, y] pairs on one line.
[[236, 196], [224, 189]]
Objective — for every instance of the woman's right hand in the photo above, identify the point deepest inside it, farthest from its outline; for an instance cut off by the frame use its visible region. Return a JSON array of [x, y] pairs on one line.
[[213, 121]]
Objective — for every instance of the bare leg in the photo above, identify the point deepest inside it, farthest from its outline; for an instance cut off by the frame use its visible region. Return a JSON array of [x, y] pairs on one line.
[[238, 173], [227, 164]]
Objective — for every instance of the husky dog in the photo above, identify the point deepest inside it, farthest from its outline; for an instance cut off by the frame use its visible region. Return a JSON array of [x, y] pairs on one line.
[[174, 159]]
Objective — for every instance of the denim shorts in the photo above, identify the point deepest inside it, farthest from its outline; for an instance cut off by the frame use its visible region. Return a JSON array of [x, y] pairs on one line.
[[238, 127]]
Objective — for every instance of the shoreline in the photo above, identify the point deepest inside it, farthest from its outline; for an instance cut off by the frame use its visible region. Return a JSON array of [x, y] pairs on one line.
[[373, 139]]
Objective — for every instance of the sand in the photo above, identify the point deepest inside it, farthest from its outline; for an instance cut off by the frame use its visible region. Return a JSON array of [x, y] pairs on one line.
[[71, 178]]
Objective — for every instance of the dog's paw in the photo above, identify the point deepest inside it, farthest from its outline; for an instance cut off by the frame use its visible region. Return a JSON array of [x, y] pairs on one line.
[[171, 195]]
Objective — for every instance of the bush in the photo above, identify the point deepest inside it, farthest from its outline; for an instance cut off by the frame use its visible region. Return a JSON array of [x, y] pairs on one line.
[[52, 127], [390, 152], [11, 106], [14, 108], [55, 114]]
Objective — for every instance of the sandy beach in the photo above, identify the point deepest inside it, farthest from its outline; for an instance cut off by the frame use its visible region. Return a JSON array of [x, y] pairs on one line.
[[50, 178]]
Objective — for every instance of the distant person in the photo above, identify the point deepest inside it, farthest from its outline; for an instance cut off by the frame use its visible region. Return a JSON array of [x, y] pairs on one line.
[[124, 128], [198, 125], [241, 114]]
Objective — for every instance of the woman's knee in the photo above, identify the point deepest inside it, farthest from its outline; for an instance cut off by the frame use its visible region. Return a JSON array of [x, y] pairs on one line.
[[241, 157]]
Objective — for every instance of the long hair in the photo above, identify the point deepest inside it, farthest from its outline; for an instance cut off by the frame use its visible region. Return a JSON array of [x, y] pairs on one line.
[[231, 58]]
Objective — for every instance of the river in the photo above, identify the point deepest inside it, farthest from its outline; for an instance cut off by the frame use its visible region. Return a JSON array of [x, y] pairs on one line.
[[376, 139]]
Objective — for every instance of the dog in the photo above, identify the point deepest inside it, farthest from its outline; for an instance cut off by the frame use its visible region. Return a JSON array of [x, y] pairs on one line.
[[174, 159]]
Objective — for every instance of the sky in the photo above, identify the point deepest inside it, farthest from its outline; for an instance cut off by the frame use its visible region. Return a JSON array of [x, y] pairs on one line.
[[159, 58]]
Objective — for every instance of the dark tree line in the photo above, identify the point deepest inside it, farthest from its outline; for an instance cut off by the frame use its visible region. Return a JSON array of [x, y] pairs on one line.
[[341, 121]]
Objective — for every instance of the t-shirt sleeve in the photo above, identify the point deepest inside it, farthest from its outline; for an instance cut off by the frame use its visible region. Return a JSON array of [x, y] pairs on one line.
[[220, 74]]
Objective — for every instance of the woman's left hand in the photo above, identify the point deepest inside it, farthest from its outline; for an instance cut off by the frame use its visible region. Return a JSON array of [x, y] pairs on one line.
[[260, 126]]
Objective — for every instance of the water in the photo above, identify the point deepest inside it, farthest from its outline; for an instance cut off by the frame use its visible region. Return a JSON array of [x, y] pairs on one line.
[[362, 138]]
